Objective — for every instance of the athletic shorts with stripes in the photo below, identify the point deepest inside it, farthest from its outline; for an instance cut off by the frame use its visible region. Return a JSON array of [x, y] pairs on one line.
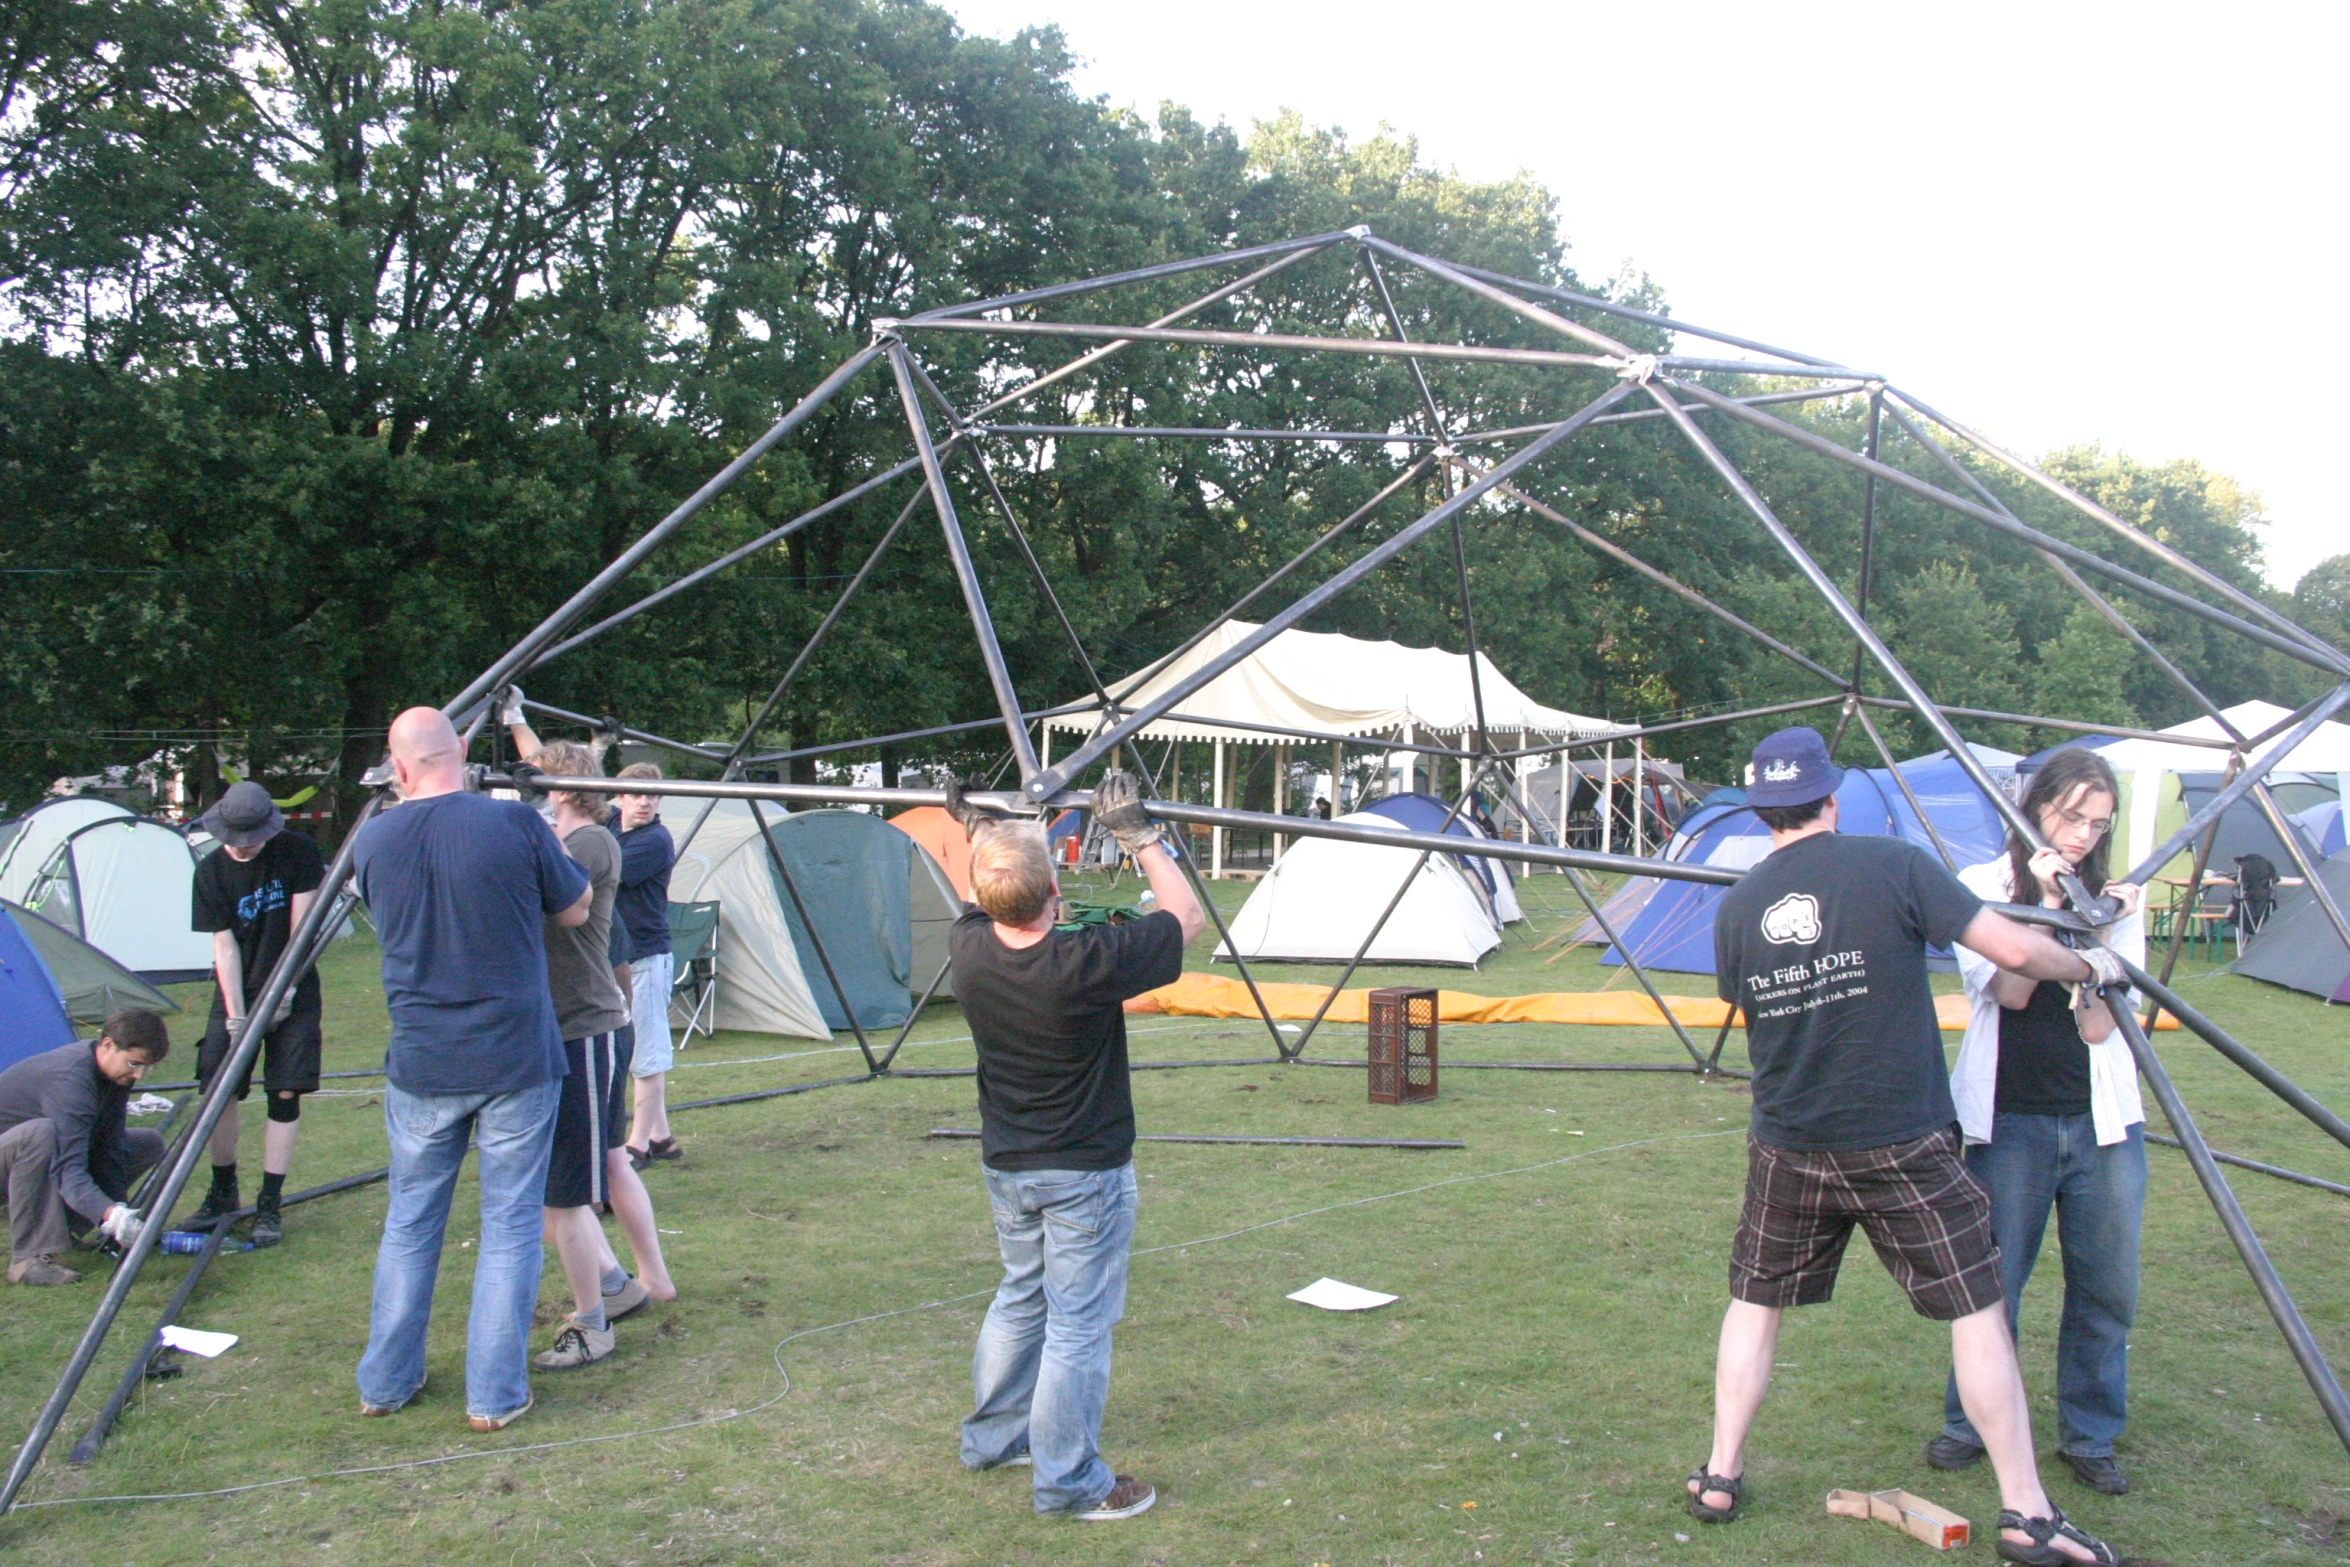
[[583, 1123], [1929, 1219]]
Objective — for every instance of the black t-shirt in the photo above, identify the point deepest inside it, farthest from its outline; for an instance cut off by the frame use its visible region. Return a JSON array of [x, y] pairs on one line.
[[1824, 946], [1051, 1036], [2043, 1061], [255, 898]]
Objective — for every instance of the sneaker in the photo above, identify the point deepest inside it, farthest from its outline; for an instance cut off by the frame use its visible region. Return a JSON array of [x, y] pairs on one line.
[[1948, 1452], [626, 1301], [485, 1424], [576, 1345], [268, 1227], [1127, 1498], [2099, 1474], [378, 1411], [219, 1203], [41, 1271]]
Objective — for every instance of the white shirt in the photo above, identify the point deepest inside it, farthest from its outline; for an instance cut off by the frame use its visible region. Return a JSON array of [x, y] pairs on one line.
[[2114, 1105]]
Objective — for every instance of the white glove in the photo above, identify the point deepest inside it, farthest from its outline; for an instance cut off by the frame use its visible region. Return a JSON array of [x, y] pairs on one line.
[[2105, 966], [510, 707], [285, 1008], [122, 1224]]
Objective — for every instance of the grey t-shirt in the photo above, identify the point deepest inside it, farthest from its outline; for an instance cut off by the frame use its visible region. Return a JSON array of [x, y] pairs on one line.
[[579, 960]]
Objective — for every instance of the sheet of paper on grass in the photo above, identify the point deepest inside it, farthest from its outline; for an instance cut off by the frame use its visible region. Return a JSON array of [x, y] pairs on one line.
[[1331, 1295], [196, 1341]]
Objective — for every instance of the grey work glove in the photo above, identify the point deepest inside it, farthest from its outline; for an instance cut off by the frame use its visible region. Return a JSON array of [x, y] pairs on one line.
[[285, 1006], [1118, 803], [510, 706], [122, 1225], [525, 777], [2105, 966], [969, 812]]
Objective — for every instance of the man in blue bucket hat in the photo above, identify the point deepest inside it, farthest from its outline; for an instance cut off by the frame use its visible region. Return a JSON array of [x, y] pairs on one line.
[[1823, 947]]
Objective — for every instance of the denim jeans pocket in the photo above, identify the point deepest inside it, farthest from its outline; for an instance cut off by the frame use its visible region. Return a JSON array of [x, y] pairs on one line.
[[1074, 1205]]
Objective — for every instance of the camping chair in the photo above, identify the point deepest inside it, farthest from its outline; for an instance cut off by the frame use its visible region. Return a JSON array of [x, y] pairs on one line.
[[2256, 894], [693, 939], [2213, 918]]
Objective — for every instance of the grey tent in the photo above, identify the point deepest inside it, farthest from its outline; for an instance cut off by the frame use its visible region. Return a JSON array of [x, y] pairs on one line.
[[93, 983], [2244, 828], [881, 905], [2298, 946]]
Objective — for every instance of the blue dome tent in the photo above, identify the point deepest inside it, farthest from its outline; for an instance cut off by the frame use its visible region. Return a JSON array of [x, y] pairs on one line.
[[1670, 925], [32, 1009]]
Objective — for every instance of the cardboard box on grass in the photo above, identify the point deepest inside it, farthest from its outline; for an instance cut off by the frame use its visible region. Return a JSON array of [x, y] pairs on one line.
[[1920, 1519]]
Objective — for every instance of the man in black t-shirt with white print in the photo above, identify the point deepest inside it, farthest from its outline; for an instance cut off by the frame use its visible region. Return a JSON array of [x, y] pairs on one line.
[[1823, 946], [1057, 1142], [250, 893]]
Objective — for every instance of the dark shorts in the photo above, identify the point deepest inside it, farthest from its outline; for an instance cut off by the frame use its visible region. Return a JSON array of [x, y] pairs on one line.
[[1929, 1219], [616, 1102], [583, 1123], [289, 1055]]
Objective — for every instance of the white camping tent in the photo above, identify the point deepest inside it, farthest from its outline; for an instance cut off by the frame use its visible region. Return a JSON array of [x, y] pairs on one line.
[[40, 830], [2152, 806], [126, 885], [1315, 682], [1319, 903], [763, 986]]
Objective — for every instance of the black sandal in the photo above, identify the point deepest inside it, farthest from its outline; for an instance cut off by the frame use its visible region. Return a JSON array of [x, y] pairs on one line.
[[2040, 1553], [1733, 1488]]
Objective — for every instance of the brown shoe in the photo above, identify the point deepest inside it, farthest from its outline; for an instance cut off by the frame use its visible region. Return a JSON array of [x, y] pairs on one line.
[[485, 1424], [44, 1269], [1127, 1498]]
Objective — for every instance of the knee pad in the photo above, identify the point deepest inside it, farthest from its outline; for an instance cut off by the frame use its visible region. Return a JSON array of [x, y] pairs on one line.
[[286, 1108]]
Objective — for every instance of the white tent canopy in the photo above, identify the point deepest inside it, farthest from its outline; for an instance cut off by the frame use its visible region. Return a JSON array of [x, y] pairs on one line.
[[40, 830], [126, 885], [1320, 901], [1322, 683], [2150, 806]]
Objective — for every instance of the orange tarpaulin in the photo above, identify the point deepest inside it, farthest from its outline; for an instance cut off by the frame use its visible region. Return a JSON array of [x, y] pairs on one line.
[[943, 838], [1212, 995]]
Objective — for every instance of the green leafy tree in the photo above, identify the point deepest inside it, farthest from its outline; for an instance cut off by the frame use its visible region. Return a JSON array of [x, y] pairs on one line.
[[2084, 673]]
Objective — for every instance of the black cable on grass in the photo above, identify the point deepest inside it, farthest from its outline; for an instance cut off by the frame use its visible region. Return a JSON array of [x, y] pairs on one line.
[[852, 1322]]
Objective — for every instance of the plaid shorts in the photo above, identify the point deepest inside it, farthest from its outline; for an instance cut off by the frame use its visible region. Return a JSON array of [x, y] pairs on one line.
[[1929, 1219]]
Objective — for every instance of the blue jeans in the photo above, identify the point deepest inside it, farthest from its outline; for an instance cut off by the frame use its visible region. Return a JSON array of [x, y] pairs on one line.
[[2034, 1162], [429, 1133], [1042, 1369]]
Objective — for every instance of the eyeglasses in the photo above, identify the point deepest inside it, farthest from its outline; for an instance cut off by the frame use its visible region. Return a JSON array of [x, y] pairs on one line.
[[2098, 825]]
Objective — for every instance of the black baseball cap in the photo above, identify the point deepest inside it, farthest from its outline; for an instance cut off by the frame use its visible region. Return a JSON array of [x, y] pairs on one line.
[[1792, 768]]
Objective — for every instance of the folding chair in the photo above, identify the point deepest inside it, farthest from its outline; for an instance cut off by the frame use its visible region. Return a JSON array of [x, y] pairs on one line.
[[693, 941]]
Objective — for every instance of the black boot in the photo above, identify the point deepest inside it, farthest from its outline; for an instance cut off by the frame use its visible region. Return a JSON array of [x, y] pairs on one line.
[[269, 1225], [222, 1201]]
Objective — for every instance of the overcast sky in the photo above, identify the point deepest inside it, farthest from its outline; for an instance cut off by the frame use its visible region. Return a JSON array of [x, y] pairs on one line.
[[2057, 222]]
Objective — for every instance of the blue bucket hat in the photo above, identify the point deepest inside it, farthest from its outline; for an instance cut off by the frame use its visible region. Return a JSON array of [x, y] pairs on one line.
[[1792, 768]]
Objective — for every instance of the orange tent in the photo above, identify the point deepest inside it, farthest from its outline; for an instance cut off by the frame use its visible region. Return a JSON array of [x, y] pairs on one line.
[[942, 837]]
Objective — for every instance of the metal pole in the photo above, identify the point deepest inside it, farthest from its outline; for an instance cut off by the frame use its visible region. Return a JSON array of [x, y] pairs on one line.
[[815, 938], [738, 554], [244, 1045], [2178, 928], [2291, 837], [1147, 274], [519, 656], [2251, 775], [2279, 1171], [2169, 556], [1609, 737], [1807, 394], [1907, 793], [1261, 342], [991, 652], [2273, 1294], [1860, 600], [1156, 432], [2080, 557], [2040, 721], [2259, 1070], [711, 753], [899, 1043], [1362, 566]]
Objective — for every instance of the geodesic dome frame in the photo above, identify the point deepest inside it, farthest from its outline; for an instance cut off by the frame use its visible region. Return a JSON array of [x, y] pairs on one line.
[[1472, 468]]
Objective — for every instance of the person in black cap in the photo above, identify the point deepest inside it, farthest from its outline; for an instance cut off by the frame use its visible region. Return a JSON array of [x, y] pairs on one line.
[[1823, 946], [250, 893]]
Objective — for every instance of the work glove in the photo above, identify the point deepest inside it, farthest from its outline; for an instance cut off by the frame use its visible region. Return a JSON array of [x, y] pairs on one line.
[[285, 1006], [1118, 805], [969, 812], [510, 706], [122, 1225], [525, 777], [2105, 966]]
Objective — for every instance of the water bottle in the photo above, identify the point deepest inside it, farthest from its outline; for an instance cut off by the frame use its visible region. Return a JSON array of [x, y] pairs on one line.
[[189, 1242]]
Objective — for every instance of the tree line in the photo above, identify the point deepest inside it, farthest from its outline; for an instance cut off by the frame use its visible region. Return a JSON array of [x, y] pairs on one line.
[[342, 339]]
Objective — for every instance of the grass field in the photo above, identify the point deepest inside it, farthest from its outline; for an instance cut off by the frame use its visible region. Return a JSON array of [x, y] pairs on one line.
[[1535, 1395]]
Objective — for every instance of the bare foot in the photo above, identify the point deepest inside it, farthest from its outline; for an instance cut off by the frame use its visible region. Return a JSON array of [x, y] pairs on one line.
[[660, 1288]]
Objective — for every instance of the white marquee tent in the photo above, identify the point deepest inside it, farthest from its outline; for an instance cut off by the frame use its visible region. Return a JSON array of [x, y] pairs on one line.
[[2151, 804]]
